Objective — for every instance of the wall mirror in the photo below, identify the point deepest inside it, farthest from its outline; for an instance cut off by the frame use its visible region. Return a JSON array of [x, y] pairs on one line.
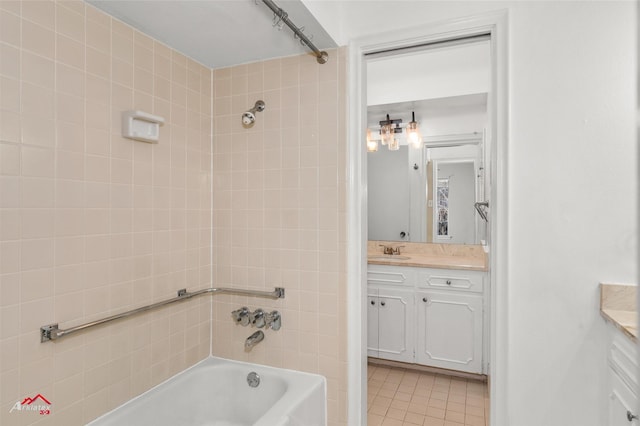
[[422, 187], [426, 193]]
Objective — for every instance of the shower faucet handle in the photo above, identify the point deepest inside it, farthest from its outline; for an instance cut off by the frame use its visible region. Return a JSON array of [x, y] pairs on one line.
[[257, 318], [274, 319], [241, 316]]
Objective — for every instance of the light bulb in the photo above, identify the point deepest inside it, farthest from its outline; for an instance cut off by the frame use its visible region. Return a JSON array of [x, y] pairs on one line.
[[386, 132], [372, 145], [413, 135], [415, 139]]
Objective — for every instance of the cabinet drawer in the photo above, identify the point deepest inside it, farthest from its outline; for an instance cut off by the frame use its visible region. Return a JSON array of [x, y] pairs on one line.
[[391, 275], [452, 279]]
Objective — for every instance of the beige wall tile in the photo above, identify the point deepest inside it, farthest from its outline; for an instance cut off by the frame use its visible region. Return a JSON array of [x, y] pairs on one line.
[[70, 80], [69, 109], [38, 39], [122, 72], [69, 250], [38, 162], [98, 36], [268, 193], [40, 12], [37, 102], [69, 222], [108, 222], [98, 63], [37, 70], [70, 52], [10, 94], [9, 159], [70, 23], [10, 28], [122, 43], [10, 65], [69, 165]]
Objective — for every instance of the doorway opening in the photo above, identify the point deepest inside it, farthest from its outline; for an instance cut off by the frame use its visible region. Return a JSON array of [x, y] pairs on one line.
[[430, 220]]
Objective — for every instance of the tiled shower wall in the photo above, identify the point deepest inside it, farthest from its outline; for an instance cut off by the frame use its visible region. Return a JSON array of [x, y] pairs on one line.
[[280, 216], [91, 223]]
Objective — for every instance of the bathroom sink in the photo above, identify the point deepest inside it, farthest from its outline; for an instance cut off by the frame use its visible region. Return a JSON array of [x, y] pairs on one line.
[[388, 257]]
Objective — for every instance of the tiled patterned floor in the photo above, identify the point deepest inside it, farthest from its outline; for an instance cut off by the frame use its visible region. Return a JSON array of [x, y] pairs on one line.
[[402, 397]]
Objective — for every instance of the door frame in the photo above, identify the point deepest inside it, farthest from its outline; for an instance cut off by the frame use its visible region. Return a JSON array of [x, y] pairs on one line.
[[495, 23]]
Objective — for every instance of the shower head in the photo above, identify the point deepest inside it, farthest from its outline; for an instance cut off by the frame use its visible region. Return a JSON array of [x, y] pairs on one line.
[[249, 117]]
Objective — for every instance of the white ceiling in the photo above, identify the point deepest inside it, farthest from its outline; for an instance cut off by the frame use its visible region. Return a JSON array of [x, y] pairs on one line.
[[220, 33], [448, 81], [453, 105], [436, 72]]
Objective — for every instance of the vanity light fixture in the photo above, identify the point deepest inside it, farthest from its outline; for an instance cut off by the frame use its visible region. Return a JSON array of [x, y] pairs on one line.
[[388, 130], [372, 145]]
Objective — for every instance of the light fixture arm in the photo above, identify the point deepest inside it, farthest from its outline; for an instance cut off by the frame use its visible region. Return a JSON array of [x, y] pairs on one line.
[[389, 121]]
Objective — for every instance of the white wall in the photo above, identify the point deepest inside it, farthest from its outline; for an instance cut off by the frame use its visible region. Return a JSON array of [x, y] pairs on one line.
[[572, 185]]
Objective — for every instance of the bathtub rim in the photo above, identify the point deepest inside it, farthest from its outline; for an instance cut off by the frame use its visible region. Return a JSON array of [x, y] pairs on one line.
[[269, 416]]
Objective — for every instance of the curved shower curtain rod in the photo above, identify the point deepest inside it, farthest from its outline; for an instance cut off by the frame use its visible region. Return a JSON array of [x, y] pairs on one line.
[[321, 56]]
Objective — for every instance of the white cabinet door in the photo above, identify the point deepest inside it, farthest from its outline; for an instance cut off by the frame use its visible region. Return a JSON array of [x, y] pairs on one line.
[[390, 324], [449, 331], [622, 403], [395, 325]]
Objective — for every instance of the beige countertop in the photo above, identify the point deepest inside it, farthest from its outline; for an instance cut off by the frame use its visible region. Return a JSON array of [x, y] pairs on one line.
[[445, 256], [618, 305]]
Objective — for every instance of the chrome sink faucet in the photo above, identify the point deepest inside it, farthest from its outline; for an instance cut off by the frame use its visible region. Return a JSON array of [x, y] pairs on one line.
[[392, 250]]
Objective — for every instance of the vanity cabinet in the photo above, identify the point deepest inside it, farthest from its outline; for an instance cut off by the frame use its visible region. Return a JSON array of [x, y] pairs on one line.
[[623, 381], [427, 316], [390, 326]]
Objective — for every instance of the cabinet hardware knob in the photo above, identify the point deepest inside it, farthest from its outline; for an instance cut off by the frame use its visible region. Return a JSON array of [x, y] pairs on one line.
[[630, 416], [373, 303], [448, 282], [383, 303], [424, 299]]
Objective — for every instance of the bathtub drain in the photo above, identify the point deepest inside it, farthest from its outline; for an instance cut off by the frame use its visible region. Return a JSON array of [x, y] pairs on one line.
[[253, 379]]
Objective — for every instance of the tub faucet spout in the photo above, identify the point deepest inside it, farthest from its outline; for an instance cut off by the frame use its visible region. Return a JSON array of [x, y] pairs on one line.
[[254, 339]]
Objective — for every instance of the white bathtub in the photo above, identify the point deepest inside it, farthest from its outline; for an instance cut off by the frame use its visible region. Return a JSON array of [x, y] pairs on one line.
[[215, 392]]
